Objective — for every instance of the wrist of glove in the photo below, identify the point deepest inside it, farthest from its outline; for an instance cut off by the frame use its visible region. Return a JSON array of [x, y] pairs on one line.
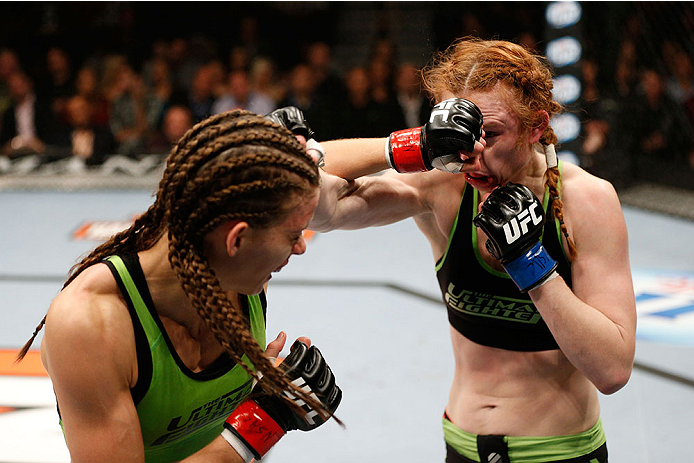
[[513, 219], [532, 269], [454, 126], [261, 421]]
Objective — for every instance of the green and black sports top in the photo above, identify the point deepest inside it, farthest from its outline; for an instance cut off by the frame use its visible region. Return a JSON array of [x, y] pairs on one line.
[[180, 411], [484, 305]]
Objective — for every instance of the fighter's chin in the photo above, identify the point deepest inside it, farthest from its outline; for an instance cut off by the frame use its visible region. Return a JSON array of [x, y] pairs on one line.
[[481, 182]]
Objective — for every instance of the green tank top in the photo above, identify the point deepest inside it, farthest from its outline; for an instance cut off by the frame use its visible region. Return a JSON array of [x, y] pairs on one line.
[[180, 411]]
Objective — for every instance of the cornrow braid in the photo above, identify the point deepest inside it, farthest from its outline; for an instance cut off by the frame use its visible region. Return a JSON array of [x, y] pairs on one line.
[[247, 171], [473, 64], [235, 165]]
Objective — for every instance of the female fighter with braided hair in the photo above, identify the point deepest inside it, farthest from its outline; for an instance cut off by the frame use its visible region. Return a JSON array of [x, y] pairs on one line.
[[157, 338], [538, 291]]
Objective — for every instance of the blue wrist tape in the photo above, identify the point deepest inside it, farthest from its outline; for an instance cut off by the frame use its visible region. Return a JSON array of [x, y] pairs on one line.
[[531, 268]]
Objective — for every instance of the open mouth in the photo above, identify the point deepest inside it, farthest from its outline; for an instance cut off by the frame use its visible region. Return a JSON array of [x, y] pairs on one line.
[[479, 181]]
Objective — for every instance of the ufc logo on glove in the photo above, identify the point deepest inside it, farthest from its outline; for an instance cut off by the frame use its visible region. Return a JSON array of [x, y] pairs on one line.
[[512, 218], [513, 231], [442, 109]]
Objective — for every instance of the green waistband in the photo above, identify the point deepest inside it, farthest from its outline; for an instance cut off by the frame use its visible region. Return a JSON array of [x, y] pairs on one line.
[[530, 449]]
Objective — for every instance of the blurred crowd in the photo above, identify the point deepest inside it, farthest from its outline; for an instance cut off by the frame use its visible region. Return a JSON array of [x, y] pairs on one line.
[[94, 109], [637, 113], [638, 108]]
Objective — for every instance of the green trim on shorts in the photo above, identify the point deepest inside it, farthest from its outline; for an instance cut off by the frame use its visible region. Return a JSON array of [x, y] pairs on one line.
[[530, 449]]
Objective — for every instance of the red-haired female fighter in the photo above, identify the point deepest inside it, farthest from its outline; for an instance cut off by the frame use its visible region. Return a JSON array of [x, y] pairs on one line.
[[531, 254]]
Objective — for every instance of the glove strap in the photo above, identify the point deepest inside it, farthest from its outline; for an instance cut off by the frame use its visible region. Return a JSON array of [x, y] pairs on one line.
[[404, 151], [240, 445], [255, 427], [531, 269]]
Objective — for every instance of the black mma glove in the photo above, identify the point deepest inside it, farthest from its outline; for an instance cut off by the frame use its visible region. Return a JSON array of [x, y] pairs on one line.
[[292, 118], [512, 218], [454, 125], [263, 419]]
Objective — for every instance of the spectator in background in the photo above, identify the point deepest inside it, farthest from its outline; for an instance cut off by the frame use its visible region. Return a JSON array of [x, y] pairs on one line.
[[680, 84], [625, 80], [302, 93], [264, 79], [160, 52], [58, 84], [302, 88], [239, 58], [381, 76], [328, 84], [242, 96], [128, 112], [183, 65], [626, 77], [28, 124], [160, 89], [87, 86], [82, 138], [177, 120], [414, 106], [111, 67], [218, 76], [604, 149], [361, 116], [357, 116], [199, 97], [661, 133], [384, 50], [668, 53], [9, 64]]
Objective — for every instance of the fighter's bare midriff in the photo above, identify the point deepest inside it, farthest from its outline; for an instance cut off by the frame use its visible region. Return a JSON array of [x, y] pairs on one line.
[[498, 391]]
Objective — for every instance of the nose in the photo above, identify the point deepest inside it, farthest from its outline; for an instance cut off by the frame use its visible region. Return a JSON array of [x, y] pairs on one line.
[[299, 247]]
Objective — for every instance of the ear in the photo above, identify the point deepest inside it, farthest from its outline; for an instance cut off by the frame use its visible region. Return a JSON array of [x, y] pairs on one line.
[[536, 131], [235, 237]]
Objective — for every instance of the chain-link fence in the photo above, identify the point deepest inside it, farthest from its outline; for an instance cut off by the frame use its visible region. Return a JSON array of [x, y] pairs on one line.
[[638, 92]]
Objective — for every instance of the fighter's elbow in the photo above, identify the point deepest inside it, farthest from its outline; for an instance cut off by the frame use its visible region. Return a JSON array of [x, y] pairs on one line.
[[614, 381]]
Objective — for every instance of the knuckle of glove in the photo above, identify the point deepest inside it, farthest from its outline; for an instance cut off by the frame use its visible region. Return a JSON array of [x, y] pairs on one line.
[[445, 138], [512, 218], [293, 119], [293, 364], [314, 366]]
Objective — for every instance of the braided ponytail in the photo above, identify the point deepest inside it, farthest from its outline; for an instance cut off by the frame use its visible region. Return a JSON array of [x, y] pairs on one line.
[[232, 166], [473, 64], [552, 181]]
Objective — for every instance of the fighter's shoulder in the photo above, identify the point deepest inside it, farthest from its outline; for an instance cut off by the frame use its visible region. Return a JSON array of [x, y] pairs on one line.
[[579, 186], [90, 303], [590, 202], [89, 336]]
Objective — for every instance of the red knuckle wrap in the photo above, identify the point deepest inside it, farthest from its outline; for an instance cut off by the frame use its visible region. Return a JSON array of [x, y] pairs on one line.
[[406, 150], [255, 426]]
